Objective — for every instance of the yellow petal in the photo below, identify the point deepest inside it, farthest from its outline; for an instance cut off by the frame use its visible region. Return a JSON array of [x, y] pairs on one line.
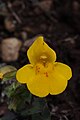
[[57, 84], [40, 52], [63, 69], [25, 74], [39, 86], [1, 75], [59, 78]]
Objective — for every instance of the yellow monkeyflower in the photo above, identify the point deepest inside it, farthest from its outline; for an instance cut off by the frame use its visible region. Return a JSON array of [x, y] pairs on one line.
[[43, 75], [1, 75]]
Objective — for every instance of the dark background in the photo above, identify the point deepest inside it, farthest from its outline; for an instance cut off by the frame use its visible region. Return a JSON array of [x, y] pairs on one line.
[[59, 22]]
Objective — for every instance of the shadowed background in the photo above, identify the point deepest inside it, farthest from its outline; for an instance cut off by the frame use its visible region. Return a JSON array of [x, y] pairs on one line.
[[21, 21]]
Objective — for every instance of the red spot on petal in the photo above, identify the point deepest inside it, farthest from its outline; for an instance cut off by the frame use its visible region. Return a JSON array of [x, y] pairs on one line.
[[46, 74], [37, 69]]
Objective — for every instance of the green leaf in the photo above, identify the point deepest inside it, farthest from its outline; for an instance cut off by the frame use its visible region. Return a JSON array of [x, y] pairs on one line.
[[18, 96], [9, 75], [12, 106], [7, 69], [46, 113], [37, 107], [10, 90]]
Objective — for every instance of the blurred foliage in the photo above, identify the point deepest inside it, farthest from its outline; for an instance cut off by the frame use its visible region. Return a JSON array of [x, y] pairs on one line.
[[21, 101]]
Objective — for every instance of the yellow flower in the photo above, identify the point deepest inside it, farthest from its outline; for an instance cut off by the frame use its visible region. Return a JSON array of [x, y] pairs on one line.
[[43, 75], [1, 75]]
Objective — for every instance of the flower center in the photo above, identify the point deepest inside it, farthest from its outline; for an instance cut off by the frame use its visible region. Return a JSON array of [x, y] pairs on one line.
[[41, 69], [43, 59]]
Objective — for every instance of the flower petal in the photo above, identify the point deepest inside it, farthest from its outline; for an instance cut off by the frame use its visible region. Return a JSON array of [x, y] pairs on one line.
[[59, 78], [57, 84], [25, 74], [63, 70], [39, 86], [40, 50]]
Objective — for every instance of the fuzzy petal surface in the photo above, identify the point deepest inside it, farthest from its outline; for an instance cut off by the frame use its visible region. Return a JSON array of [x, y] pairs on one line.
[[25, 74], [39, 86], [63, 70], [59, 78], [57, 84], [40, 51]]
